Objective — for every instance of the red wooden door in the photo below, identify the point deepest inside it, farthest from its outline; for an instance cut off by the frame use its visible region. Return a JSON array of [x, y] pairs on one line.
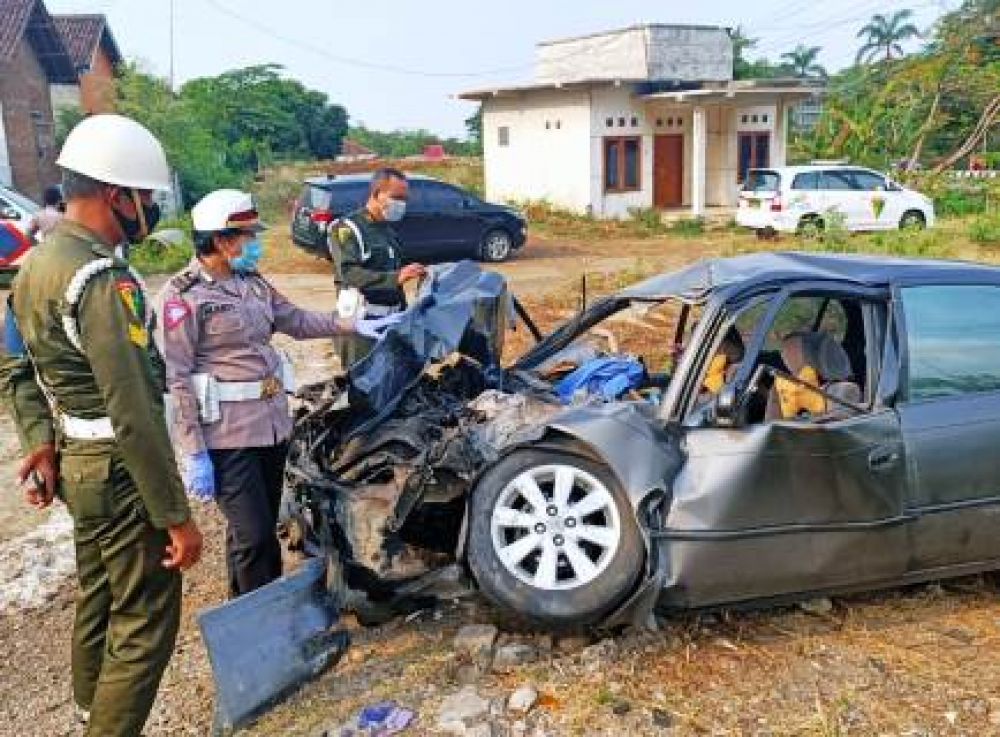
[[668, 171]]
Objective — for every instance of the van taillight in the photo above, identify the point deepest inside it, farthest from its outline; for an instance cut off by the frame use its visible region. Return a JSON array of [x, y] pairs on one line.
[[321, 216], [776, 204]]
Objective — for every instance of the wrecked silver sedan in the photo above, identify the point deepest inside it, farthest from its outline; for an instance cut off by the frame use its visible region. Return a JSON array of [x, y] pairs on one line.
[[782, 425]]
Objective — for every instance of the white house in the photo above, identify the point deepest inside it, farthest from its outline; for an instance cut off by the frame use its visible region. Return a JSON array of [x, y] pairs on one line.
[[647, 116]]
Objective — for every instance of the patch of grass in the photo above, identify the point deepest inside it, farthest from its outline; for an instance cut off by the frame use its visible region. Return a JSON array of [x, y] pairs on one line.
[[687, 227], [985, 230]]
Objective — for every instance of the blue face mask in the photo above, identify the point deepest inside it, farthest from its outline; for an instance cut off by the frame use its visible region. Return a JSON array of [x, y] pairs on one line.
[[248, 260]]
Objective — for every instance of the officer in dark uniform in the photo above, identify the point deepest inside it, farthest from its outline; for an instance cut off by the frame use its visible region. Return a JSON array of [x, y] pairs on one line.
[[367, 255], [84, 385]]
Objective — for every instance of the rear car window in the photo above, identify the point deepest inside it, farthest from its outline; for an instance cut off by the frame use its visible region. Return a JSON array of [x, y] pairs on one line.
[[837, 180], [808, 180], [953, 339], [868, 181], [762, 181], [318, 198]]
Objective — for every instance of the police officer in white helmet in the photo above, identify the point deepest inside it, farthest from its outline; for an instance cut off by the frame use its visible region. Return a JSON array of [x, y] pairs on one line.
[[229, 385]]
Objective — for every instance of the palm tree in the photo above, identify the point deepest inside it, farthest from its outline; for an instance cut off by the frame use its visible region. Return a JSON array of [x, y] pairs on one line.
[[882, 33], [741, 45], [802, 61]]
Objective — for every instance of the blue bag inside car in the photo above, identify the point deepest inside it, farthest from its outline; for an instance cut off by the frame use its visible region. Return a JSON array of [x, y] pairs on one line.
[[608, 378]]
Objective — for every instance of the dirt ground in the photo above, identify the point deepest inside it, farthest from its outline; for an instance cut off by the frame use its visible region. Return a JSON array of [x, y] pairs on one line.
[[915, 662]]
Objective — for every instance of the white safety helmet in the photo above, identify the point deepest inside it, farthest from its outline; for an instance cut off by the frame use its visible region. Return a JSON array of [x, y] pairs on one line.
[[225, 209], [116, 150]]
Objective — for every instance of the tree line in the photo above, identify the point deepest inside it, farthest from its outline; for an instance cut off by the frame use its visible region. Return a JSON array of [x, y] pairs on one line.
[[932, 108]]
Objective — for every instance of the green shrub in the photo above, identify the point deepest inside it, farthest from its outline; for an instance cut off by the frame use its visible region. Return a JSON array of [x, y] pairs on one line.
[[908, 243], [985, 230], [688, 227], [647, 218], [154, 256]]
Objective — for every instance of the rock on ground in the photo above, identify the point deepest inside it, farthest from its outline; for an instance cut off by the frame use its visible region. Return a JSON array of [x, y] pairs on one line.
[[461, 708], [523, 700], [476, 639]]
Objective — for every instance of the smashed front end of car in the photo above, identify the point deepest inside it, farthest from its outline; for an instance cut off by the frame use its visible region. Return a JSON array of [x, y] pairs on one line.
[[381, 460]]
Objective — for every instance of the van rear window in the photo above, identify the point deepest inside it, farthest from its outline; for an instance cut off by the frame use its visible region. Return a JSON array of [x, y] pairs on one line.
[[319, 198], [762, 181]]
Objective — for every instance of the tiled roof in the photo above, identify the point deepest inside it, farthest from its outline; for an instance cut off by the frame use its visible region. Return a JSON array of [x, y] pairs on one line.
[[82, 33], [30, 20], [14, 15]]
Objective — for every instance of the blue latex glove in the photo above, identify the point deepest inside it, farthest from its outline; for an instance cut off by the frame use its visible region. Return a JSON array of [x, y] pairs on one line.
[[199, 476], [374, 327]]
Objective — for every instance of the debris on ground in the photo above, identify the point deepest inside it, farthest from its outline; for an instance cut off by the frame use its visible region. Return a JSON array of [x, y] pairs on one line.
[[34, 565], [523, 699]]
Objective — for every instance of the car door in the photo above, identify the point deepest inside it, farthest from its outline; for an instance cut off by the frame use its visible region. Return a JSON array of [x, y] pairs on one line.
[[769, 508], [416, 229], [879, 207], [455, 230], [951, 421], [841, 196]]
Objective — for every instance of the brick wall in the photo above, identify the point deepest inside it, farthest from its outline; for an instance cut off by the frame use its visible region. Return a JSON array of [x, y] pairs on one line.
[[24, 89], [97, 88]]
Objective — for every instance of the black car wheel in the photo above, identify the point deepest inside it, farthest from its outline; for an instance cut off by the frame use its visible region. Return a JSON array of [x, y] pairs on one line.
[[496, 246], [912, 220], [553, 538]]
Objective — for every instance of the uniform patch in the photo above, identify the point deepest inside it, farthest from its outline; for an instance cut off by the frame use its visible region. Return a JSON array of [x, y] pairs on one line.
[[175, 311], [138, 335], [132, 297]]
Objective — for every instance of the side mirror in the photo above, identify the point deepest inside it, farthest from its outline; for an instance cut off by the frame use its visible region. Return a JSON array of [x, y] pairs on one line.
[[10, 213], [727, 407]]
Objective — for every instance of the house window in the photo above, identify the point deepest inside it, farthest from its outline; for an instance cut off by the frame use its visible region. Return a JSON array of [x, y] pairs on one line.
[[622, 164], [558, 124], [635, 122], [621, 122], [548, 125], [610, 122], [503, 135]]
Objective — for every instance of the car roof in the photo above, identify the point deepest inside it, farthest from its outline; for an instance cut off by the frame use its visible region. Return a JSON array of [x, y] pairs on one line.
[[364, 177], [805, 168], [739, 273]]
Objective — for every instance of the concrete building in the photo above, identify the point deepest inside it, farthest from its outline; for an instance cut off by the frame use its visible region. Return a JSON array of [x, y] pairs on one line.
[[33, 59], [644, 117]]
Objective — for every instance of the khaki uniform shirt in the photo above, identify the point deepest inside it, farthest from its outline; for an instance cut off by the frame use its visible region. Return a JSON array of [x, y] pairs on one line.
[[373, 266], [224, 328], [118, 375]]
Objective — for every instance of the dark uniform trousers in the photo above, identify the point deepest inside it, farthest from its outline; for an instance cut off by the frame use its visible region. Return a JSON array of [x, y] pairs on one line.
[[248, 491], [129, 605]]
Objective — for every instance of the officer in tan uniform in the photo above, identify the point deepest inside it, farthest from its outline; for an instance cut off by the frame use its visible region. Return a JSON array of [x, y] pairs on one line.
[[228, 385], [85, 385]]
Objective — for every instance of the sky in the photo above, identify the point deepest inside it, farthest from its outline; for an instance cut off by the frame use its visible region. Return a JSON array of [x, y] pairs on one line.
[[398, 63]]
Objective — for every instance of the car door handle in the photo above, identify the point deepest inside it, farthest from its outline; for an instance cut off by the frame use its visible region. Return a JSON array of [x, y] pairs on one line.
[[883, 458]]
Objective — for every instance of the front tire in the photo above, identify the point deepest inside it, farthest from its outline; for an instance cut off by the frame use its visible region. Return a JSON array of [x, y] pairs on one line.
[[553, 538], [496, 246]]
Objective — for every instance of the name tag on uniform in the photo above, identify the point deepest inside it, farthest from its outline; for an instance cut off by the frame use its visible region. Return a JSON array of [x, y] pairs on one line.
[[212, 309]]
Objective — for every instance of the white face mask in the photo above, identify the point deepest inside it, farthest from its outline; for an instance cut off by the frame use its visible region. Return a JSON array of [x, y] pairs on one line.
[[394, 210]]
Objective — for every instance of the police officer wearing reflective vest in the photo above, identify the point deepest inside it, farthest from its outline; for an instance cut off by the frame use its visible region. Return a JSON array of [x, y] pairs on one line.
[[228, 385], [84, 384], [367, 255]]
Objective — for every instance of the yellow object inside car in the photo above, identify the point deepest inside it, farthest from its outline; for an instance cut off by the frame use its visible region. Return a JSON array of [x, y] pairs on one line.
[[716, 376], [796, 399]]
